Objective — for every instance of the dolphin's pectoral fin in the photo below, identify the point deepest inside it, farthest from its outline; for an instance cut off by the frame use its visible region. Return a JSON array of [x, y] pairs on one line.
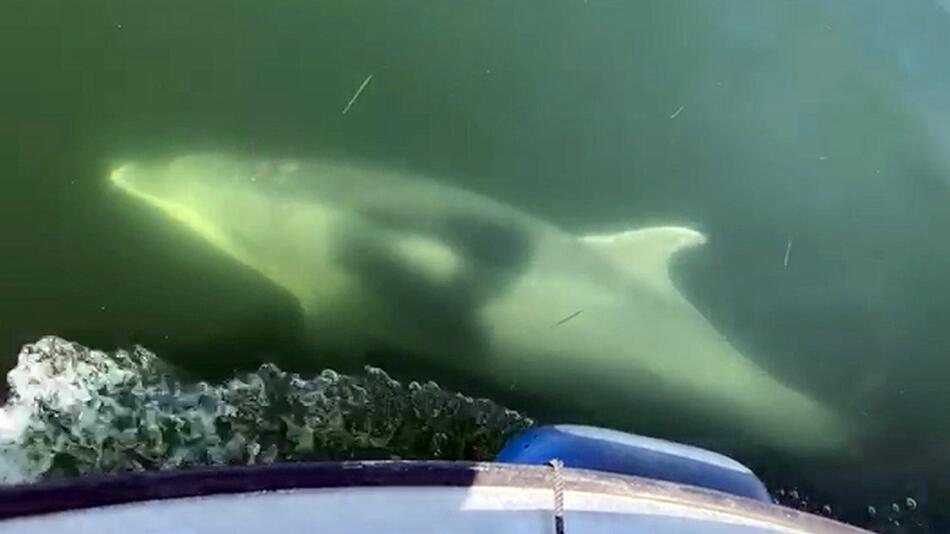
[[489, 248], [494, 251], [432, 271], [485, 240], [646, 253], [416, 286], [489, 239]]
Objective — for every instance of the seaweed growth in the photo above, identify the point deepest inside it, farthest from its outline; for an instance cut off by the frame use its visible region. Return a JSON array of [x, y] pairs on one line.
[[78, 411]]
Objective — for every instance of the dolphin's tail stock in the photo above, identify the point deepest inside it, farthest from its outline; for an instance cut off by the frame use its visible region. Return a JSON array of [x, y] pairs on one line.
[[794, 421], [767, 410]]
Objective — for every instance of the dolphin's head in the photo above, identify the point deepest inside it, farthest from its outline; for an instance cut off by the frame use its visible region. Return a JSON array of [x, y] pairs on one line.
[[256, 211], [230, 201], [188, 174]]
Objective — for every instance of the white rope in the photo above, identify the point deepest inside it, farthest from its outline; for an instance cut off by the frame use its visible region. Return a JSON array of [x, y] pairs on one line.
[[558, 496]]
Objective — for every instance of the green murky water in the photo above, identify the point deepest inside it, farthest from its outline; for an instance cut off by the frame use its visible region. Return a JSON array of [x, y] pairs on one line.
[[807, 141]]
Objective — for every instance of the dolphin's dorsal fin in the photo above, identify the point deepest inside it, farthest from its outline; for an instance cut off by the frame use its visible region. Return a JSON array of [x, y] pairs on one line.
[[646, 253]]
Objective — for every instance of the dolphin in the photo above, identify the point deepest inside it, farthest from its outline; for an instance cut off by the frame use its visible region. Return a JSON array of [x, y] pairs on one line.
[[381, 259]]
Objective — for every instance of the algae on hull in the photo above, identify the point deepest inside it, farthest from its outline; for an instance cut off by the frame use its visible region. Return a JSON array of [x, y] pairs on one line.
[[74, 411]]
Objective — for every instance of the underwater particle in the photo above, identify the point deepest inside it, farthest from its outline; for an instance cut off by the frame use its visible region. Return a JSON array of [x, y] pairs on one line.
[[872, 511], [677, 112], [794, 494], [568, 318], [910, 503], [357, 94]]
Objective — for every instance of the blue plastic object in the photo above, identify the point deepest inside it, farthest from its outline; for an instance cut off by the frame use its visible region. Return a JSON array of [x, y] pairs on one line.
[[601, 449]]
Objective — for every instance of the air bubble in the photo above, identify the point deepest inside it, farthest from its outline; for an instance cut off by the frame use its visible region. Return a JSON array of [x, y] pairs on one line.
[[910, 503], [872, 511]]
